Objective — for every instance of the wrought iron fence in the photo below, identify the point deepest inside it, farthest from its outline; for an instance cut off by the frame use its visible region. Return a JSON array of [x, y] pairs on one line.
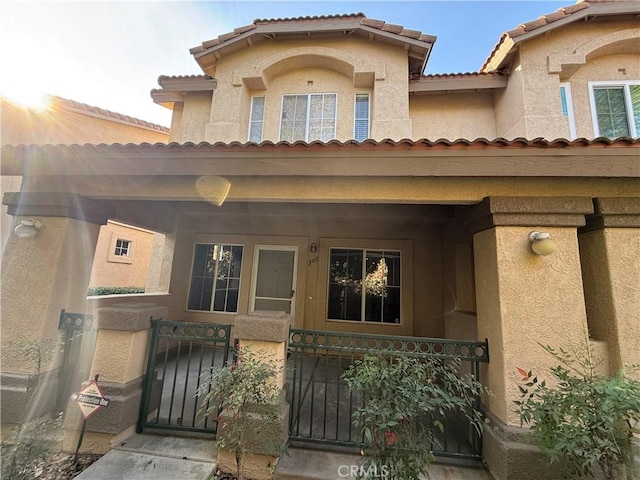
[[180, 353], [322, 404]]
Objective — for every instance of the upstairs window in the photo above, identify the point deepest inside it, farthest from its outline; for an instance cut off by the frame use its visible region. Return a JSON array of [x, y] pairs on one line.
[[215, 278], [122, 248], [615, 108], [257, 119], [308, 117], [567, 108], [364, 285], [361, 117]]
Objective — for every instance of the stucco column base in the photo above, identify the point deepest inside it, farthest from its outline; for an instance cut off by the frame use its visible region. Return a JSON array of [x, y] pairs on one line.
[[509, 455], [120, 360], [265, 334], [256, 467]]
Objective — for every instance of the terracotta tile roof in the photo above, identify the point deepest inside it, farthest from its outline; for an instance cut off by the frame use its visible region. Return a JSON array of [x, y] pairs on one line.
[[364, 21], [460, 143], [56, 101], [184, 77], [259, 21]]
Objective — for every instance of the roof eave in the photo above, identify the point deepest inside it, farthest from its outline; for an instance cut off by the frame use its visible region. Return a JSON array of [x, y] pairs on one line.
[[457, 84], [208, 56]]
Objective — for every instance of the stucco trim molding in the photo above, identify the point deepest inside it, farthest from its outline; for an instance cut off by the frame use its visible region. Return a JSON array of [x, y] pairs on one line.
[[260, 75], [613, 213], [559, 61], [49, 204], [528, 211]]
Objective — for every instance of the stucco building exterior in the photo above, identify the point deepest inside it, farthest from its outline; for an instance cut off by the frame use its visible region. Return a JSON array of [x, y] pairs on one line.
[[62, 121], [313, 157]]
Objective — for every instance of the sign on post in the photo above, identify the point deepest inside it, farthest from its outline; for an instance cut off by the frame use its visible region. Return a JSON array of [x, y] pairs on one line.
[[90, 399]]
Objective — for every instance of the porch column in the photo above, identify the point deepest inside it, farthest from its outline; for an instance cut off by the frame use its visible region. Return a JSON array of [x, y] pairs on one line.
[[266, 334], [120, 360], [610, 254], [42, 275], [524, 300]]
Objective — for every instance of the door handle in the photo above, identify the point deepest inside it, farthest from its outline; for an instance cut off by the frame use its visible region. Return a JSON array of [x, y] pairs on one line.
[[292, 292]]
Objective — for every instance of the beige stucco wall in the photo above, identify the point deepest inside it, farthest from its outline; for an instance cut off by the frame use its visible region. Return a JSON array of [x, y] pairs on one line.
[[118, 271], [420, 247], [40, 277], [530, 105], [611, 273], [191, 119], [120, 356], [60, 125], [346, 66], [453, 115], [525, 300]]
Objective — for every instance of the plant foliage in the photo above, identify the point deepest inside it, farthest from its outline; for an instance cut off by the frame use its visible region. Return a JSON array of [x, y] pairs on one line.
[[405, 398], [97, 291], [584, 419], [244, 390]]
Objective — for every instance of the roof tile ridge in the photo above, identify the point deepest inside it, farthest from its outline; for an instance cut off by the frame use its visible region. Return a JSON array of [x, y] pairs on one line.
[[68, 103]]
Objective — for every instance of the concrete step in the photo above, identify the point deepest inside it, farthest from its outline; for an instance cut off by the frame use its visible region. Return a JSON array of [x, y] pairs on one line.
[[155, 457]]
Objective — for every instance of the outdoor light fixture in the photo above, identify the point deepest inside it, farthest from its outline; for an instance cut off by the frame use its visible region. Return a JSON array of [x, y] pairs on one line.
[[313, 247], [27, 228], [541, 243]]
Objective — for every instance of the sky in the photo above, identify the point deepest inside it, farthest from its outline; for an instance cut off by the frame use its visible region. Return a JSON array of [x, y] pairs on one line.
[[110, 54]]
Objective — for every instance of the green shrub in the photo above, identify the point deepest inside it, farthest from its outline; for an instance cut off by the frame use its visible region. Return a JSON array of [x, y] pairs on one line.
[[585, 419], [96, 291], [403, 397], [244, 390]]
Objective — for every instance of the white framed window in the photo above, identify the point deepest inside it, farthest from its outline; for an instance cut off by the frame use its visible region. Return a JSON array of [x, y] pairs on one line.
[[361, 117], [122, 248], [567, 107], [364, 285], [615, 108], [215, 277], [308, 117], [256, 121]]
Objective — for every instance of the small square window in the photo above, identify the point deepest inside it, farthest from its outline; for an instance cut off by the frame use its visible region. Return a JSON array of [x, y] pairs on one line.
[[123, 248]]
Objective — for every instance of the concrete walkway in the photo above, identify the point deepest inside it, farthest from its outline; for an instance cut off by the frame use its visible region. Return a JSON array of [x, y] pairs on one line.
[[160, 457]]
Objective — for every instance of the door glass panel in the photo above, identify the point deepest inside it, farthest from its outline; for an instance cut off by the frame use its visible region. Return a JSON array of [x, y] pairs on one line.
[[274, 280]]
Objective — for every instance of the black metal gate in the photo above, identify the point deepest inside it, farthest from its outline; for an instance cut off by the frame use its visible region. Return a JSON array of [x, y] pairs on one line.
[[78, 345], [322, 405], [179, 354]]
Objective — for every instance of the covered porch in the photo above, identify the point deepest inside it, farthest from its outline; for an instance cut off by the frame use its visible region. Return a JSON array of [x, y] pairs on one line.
[[450, 219]]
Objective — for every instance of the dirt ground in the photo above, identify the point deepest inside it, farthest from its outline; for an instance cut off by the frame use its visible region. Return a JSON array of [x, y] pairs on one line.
[[58, 466]]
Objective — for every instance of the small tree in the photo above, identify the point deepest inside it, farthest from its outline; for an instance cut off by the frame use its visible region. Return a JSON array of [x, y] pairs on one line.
[[245, 390], [585, 419], [403, 398]]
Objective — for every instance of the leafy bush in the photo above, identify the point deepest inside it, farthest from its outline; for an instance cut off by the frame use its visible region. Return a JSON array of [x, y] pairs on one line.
[[403, 398], [96, 291], [244, 390], [585, 419]]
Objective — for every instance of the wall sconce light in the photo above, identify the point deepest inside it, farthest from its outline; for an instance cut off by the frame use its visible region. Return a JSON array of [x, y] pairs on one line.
[[313, 248], [541, 243], [27, 228]]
